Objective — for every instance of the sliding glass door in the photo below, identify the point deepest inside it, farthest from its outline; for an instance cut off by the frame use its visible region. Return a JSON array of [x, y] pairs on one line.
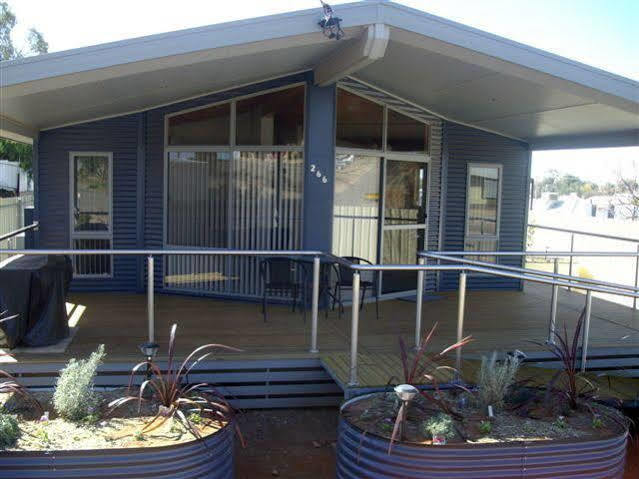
[[403, 220]]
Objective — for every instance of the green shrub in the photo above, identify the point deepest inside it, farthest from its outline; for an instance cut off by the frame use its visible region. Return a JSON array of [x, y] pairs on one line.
[[74, 397], [439, 425], [597, 423], [494, 380], [9, 430], [485, 427]]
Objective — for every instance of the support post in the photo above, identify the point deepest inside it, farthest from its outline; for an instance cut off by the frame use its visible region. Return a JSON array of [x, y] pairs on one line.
[[150, 299], [354, 329], [461, 305], [634, 300], [572, 250], [552, 324], [315, 304], [586, 331], [418, 304]]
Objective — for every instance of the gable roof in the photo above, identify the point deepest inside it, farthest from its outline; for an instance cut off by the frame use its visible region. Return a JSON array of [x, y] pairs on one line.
[[451, 70]]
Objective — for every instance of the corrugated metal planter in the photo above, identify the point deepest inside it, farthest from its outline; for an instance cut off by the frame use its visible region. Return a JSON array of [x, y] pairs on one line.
[[366, 455], [212, 457]]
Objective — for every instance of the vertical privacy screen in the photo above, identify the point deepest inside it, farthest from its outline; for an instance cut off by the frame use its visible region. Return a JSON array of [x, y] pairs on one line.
[[244, 192]]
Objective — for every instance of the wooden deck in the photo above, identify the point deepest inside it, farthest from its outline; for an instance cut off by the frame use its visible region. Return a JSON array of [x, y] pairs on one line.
[[501, 320]]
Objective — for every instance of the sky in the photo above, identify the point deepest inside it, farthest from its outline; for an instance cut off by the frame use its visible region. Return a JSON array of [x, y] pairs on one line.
[[601, 33]]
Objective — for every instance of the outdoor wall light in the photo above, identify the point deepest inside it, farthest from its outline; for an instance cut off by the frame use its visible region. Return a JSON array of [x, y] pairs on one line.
[[330, 24], [149, 350], [405, 392]]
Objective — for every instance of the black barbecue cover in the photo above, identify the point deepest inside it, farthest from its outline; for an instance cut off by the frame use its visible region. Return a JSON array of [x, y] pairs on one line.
[[35, 288]]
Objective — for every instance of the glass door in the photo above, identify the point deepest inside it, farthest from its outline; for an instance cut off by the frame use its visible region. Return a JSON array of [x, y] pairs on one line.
[[404, 219]]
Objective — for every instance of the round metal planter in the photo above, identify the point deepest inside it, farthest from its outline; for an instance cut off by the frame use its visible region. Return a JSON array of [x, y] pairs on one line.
[[212, 457], [362, 455]]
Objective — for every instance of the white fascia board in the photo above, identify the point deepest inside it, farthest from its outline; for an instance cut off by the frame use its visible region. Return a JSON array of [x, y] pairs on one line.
[[289, 28], [603, 140], [16, 131], [603, 86], [368, 48]]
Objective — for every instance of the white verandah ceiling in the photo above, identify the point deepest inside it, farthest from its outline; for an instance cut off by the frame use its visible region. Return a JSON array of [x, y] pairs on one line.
[[451, 70]]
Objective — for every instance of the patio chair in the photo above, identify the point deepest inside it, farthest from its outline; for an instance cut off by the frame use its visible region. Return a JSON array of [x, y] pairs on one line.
[[283, 276], [345, 281]]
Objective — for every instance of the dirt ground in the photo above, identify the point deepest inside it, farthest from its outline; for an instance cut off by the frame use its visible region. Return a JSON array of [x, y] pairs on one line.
[[288, 443], [300, 443]]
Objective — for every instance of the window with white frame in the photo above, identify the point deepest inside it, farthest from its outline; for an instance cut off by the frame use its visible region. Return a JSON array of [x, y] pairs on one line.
[[483, 207], [91, 219]]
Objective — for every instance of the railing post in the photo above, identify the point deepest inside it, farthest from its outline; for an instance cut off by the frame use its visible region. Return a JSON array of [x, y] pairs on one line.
[[354, 329], [461, 305], [586, 331], [418, 304], [150, 299], [634, 300], [315, 304], [572, 250], [552, 324]]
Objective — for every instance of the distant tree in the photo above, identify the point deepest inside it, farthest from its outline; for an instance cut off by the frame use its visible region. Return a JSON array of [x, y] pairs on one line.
[[11, 150], [628, 189], [37, 43]]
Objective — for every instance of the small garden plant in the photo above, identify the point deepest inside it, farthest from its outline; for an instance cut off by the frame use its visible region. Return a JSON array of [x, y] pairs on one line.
[[569, 384], [194, 404], [9, 430], [74, 397], [495, 379], [440, 425]]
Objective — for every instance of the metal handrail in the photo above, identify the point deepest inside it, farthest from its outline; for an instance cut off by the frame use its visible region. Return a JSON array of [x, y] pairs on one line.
[[420, 268], [548, 254], [585, 233], [11, 234], [595, 235], [576, 279]]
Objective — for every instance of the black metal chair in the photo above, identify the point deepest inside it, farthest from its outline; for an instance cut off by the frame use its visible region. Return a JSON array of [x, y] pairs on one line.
[[345, 281], [283, 275]]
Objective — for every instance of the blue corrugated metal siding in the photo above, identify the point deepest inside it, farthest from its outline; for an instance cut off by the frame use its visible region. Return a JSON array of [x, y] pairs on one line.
[[116, 135], [154, 185], [463, 145]]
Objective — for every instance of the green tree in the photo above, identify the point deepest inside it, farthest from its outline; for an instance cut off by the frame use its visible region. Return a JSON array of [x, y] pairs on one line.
[[11, 150]]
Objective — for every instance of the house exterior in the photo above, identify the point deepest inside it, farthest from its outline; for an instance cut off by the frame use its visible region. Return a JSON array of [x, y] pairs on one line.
[[410, 133]]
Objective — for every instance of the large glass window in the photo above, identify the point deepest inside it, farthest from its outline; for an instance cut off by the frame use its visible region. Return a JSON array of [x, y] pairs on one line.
[[359, 122], [240, 200], [272, 119], [207, 126], [91, 222], [356, 206], [405, 133], [483, 209]]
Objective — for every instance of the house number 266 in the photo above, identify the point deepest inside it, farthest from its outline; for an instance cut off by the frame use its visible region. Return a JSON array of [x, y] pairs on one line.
[[318, 173]]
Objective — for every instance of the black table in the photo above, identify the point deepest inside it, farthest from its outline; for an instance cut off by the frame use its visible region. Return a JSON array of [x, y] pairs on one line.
[[326, 268], [35, 288]]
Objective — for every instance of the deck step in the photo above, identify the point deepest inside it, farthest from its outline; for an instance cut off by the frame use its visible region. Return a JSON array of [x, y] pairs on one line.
[[247, 384], [623, 361]]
